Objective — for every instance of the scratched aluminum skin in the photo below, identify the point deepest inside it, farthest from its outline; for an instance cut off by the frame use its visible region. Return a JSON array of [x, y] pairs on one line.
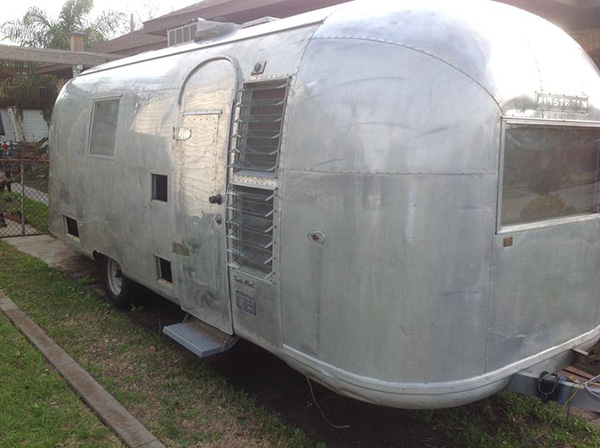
[[391, 152]]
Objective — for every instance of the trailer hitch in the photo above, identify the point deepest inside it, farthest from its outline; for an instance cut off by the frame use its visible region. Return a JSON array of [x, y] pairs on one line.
[[548, 386], [553, 387]]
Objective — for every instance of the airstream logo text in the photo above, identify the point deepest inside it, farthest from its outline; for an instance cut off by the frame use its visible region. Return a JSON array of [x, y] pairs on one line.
[[563, 103]]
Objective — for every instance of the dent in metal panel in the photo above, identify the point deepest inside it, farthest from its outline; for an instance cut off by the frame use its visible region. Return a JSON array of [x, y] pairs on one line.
[[545, 290], [400, 285]]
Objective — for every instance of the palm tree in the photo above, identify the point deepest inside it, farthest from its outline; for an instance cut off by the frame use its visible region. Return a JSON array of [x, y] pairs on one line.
[[36, 29]]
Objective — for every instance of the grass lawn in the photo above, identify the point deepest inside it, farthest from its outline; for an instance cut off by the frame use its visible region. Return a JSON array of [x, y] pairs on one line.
[[36, 213], [177, 397], [184, 402], [510, 420], [37, 408]]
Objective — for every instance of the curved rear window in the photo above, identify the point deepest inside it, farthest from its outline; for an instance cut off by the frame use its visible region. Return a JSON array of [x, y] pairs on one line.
[[550, 172]]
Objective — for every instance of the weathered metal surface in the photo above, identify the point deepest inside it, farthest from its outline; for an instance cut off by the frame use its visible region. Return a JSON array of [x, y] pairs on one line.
[[391, 280], [201, 172], [200, 338]]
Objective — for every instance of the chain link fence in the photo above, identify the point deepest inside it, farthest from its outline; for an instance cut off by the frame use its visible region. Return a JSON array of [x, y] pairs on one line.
[[23, 197]]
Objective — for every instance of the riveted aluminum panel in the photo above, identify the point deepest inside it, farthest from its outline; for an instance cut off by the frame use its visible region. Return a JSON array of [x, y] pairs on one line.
[[474, 37], [111, 199], [545, 289], [422, 115], [400, 284], [256, 310]]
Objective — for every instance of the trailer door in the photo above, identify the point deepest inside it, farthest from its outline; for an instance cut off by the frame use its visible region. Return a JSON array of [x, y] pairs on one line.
[[201, 175]]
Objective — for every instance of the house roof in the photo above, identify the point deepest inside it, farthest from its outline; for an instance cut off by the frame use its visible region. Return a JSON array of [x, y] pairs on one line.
[[137, 41], [192, 8], [571, 15], [238, 11], [128, 45]]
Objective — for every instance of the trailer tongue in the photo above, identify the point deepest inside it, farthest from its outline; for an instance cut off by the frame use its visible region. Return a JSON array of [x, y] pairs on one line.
[[574, 390]]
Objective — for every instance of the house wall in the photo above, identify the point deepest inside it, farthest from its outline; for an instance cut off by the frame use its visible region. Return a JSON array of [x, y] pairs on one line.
[[34, 126], [590, 42], [9, 133]]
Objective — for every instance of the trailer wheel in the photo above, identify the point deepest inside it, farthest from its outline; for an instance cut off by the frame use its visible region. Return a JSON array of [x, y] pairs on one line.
[[121, 291]]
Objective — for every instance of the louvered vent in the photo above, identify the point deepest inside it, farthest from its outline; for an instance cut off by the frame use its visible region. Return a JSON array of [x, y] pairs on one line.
[[259, 126], [250, 229]]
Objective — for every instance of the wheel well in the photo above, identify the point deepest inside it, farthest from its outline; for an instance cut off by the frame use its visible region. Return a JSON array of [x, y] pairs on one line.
[[98, 256]]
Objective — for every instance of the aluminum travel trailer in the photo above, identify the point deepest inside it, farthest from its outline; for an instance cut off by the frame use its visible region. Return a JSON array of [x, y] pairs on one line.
[[398, 198]]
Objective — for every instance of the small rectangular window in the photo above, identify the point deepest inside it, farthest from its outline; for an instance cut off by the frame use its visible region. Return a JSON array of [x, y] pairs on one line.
[[72, 228], [159, 187], [104, 127], [550, 172], [171, 38], [179, 35], [186, 34], [164, 270]]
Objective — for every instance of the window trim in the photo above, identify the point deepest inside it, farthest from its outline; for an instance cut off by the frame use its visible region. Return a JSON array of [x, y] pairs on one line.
[[91, 127], [512, 228]]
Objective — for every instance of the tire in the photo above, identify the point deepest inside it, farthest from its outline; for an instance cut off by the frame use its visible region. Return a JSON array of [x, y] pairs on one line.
[[121, 291]]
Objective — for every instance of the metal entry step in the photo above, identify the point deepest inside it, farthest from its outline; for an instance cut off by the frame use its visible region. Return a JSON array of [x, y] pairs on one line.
[[200, 338]]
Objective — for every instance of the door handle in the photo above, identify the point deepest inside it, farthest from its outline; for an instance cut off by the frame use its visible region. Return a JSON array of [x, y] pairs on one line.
[[215, 199]]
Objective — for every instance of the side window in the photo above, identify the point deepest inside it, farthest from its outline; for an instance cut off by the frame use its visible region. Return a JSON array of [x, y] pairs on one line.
[[550, 172], [104, 127]]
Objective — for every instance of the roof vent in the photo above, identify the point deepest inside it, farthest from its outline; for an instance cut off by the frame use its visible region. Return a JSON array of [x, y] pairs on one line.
[[259, 21], [208, 30]]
